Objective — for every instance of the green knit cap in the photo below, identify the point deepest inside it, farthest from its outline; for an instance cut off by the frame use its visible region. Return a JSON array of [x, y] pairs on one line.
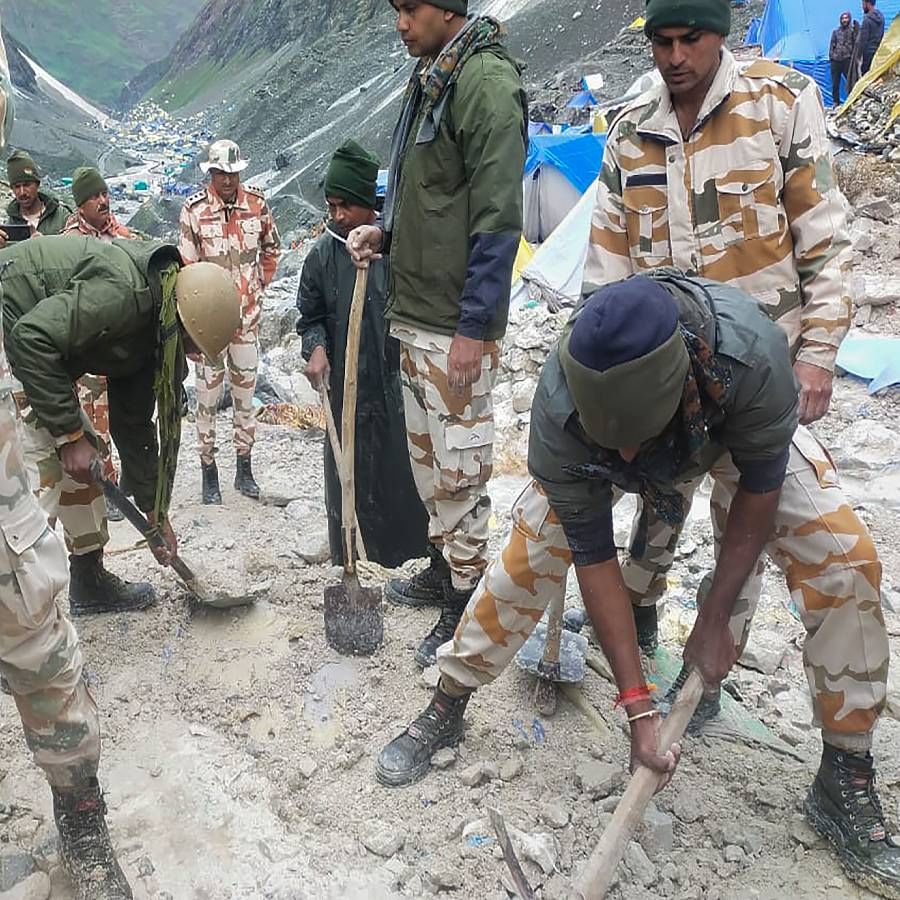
[[458, 6], [352, 175], [706, 15], [20, 167], [87, 182]]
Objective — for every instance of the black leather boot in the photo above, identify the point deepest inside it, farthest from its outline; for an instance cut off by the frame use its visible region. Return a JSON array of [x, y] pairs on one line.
[[93, 590], [647, 625], [451, 612], [408, 757], [244, 480], [212, 496], [425, 588], [84, 844], [843, 806]]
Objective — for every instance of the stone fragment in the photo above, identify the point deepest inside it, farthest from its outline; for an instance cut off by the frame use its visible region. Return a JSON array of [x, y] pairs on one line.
[[687, 808], [642, 869], [511, 769], [381, 839], [554, 814], [657, 833], [15, 866], [734, 854], [764, 651], [34, 887], [445, 877], [444, 758], [804, 834], [473, 775], [306, 766], [598, 779]]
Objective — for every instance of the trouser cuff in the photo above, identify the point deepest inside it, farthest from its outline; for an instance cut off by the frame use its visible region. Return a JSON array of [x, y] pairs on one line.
[[852, 743]]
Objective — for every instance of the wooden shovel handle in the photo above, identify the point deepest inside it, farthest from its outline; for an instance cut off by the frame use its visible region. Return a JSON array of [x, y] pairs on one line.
[[348, 424], [601, 866]]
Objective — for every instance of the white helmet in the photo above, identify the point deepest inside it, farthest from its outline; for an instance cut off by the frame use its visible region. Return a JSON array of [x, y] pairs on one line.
[[225, 156]]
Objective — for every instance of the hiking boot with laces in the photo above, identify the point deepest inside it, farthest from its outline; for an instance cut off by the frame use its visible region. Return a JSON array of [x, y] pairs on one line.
[[426, 588], [93, 590], [646, 623], [212, 494], [843, 806], [84, 843], [243, 478], [408, 757], [445, 627]]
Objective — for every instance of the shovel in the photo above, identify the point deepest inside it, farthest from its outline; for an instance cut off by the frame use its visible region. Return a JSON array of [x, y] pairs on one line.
[[200, 592], [354, 621]]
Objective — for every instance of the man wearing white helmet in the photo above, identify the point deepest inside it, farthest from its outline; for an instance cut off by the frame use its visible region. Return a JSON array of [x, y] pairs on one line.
[[230, 224]]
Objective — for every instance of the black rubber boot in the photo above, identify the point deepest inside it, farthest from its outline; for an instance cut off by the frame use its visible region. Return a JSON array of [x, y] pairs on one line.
[[451, 612], [408, 757], [84, 843], [212, 495], [843, 806], [646, 622], [94, 590], [244, 480], [708, 708], [426, 588]]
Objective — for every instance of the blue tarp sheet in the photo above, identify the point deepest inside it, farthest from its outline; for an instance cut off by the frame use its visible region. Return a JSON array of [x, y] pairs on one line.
[[876, 360], [582, 99], [798, 33], [577, 156]]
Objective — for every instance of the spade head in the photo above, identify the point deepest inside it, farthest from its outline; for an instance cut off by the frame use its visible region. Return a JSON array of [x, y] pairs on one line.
[[354, 621]]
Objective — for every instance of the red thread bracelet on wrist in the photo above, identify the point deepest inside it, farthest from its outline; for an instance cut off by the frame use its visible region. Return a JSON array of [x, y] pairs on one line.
[[634, 695]]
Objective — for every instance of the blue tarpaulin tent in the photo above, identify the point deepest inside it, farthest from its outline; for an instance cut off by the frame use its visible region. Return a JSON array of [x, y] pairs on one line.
[[798, 33]]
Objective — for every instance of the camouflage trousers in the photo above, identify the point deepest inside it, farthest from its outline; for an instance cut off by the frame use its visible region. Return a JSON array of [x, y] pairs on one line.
[[93, 396], [818, 542], [80, 507], [39, 653], [242, 357], [450, 439]]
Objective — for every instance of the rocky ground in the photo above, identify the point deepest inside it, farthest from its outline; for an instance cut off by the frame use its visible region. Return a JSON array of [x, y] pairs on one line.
[[238, 748]]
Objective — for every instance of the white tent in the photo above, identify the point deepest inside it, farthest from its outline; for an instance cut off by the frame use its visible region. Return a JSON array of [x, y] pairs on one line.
[[556, 271]]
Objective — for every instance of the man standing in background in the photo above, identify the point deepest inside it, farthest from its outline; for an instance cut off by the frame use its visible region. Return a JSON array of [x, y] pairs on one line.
[[230, 224], [41, 210], [840, 52], [870, 34], [452, 225]]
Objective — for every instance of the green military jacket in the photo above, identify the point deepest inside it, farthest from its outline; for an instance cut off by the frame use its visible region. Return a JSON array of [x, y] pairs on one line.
[[52, 220], [458, 216], [73, 305], [755, 422]]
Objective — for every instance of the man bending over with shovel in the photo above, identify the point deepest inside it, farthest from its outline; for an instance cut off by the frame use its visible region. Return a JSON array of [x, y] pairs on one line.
[[129, 311], [658, 380]]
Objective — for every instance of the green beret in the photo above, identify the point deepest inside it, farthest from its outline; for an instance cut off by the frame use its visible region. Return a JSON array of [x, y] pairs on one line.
[[458, 6], [706, 15], [20, 167], [87, 182], [352, 175]]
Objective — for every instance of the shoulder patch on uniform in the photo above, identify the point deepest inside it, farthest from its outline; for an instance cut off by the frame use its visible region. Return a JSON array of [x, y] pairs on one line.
[[765, 68], [196, 197], [257, 192]]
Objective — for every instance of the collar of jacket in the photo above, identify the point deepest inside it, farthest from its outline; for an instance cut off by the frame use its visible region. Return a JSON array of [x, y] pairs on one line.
[[217, 204], [662, 123], [50, 206]]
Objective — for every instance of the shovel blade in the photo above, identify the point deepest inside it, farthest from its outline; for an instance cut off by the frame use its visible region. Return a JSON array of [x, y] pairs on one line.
[[354, 620], [572, 649]]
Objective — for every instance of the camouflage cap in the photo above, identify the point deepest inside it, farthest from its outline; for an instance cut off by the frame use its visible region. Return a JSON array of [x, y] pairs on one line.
[[224, 156]]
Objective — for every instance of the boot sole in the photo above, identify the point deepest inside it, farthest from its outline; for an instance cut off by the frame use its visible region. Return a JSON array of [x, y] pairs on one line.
[[398, 599], [78, 612], [854, 869], [411, 776]]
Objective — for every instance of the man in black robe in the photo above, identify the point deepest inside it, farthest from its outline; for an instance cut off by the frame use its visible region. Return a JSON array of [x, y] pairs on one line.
[[392, 520]]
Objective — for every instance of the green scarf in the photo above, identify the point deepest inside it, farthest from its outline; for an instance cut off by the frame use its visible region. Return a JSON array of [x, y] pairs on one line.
[[168, 396]]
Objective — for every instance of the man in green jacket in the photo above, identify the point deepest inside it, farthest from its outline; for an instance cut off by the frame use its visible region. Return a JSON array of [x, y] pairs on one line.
[[656, 381], [126, 310], [392, 520], [41, 210], [452, 225]]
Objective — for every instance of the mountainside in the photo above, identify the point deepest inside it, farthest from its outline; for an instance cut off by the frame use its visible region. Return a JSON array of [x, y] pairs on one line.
[[96, 47], [291, 81]]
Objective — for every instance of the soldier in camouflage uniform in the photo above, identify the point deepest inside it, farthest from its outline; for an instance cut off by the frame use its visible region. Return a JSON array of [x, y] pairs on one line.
[[94, 218], [40, 659], [230, 224], [452, 223], [725, 170], [655, 382]]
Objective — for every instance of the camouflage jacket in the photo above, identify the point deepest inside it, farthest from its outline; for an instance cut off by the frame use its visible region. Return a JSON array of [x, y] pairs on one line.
[[241, 237], [748, 199], [77, 224]]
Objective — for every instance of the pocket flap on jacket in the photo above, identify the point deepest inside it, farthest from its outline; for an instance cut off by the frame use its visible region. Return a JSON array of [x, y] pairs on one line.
[[744, 181], [469, 437], [24, 527]]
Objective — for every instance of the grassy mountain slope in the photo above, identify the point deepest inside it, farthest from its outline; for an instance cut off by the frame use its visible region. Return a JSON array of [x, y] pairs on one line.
[[95, 46]]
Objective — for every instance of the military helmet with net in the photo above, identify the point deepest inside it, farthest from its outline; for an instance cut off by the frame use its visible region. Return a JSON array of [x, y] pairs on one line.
[[208, 305]]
